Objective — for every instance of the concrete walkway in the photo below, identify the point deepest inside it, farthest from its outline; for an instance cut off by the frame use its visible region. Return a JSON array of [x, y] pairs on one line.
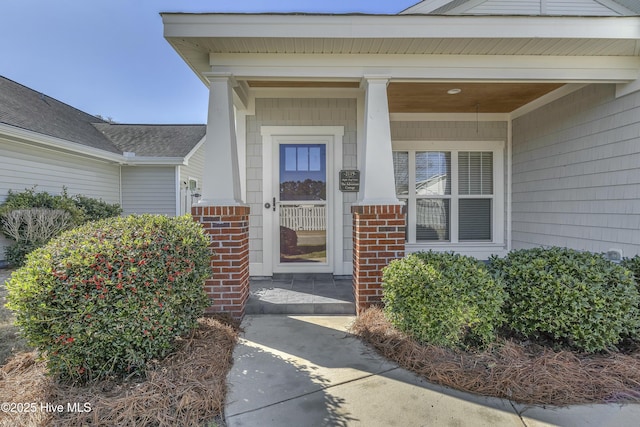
[[308, 371]]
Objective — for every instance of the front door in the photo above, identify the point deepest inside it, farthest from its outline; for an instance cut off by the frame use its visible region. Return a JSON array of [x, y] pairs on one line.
[[302, 206], [302, 220]]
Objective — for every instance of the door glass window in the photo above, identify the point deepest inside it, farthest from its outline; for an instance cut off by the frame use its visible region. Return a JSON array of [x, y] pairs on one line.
[[303, 206]]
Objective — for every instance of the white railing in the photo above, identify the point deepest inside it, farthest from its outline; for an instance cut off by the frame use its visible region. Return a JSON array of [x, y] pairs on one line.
[[305, 217]]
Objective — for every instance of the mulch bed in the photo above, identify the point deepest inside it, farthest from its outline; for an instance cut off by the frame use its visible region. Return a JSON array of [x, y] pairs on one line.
[[188, 388], [519, 371]]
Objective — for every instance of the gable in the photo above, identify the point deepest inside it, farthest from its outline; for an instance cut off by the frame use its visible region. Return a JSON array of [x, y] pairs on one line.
[[524, 7]]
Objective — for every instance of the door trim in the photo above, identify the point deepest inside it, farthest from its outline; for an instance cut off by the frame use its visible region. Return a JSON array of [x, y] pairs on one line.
[[333, 137]]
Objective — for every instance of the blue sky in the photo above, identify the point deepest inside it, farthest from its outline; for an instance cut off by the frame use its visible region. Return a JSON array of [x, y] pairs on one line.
[[109, 57]]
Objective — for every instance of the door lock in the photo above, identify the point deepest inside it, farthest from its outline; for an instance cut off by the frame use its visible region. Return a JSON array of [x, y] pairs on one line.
[[269, 205]]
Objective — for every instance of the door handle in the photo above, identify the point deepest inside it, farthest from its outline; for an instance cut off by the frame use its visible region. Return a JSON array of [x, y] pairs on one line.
[[274, 204]]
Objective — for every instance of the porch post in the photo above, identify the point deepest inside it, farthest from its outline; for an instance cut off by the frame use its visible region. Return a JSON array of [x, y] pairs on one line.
[[221, 175], [220, 210], [378, 216]]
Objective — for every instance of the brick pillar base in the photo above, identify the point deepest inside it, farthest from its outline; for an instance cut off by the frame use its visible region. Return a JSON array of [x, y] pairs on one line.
[[378, 238], [228, 226]]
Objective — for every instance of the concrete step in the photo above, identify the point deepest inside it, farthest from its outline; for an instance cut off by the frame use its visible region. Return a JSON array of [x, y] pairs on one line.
[[301, 294]]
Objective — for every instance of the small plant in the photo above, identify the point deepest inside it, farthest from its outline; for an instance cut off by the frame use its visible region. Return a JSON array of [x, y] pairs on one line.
[[577, 299], [110, 296], [443, 299]]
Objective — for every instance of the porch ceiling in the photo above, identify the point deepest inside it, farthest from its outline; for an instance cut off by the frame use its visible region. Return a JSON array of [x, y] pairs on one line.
[[405, 97], [473, 97], [500, 62]]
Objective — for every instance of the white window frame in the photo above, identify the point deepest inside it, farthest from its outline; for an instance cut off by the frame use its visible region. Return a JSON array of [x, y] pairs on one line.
[[454, 147]]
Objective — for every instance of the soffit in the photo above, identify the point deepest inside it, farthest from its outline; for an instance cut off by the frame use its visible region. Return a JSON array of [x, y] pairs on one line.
[[408, 46]]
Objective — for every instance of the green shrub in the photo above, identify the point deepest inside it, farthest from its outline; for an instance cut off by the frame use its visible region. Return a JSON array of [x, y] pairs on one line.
[[95, 209], [443, 299], [80, 209], [576, 298], [30, 199], [107, 297], [633, 265]]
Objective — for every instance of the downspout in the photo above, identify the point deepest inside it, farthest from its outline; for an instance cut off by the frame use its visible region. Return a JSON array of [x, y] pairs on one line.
[[509, 178], [177, 192], [120, 185]]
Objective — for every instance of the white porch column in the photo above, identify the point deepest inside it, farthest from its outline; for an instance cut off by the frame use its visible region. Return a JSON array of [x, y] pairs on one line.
[[221, 176], [377, 186]]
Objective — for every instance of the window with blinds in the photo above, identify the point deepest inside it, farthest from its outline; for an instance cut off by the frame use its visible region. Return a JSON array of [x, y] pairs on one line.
[[441, 188]]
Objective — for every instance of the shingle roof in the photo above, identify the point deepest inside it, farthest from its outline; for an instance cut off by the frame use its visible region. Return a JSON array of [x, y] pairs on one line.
[[153, 140], [28, 109]]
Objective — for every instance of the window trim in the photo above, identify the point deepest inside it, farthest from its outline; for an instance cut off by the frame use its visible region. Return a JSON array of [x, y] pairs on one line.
[[498, 225]]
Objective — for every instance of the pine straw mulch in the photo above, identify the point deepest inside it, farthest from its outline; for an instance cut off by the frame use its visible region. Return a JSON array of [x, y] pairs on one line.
[[188, 388], [521, 372]]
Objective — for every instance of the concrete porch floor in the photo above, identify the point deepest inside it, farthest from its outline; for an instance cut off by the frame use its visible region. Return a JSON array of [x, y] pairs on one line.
[[301, 294]]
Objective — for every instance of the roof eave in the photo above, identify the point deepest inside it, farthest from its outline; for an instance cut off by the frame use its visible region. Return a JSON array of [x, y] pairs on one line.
[[31, 137], [58, 144], [398, 26]]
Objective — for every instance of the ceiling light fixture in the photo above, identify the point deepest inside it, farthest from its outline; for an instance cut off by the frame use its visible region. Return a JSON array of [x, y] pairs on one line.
[[454, 91]]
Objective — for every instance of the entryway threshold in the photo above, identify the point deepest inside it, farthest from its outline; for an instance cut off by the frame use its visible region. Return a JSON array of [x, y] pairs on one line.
[[296, 293]]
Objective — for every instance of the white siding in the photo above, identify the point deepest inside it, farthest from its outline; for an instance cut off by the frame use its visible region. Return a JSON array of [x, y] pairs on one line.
[[194, 169], [534, 7], [23, 166], [578, 7], [576, 173], [455, 131], [149, 189], [506, 7], [296, 112]]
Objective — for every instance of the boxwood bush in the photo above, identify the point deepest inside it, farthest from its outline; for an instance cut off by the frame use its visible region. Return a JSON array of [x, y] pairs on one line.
[[578, 299], [443, 299], [106, 298]]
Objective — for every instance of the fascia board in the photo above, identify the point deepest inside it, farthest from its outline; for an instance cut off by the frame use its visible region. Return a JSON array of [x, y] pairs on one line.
[[399, 26], [154, 161], [578, 69], [194, 149]]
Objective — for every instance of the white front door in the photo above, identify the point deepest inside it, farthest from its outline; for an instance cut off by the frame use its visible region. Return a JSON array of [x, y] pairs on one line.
[[301, 203], [303, 226]]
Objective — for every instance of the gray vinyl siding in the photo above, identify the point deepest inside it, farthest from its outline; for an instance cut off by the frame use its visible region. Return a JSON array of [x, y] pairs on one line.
[[194, 169], [576, 173], [149, 189], [296, 112], [24, 166], [455, 131]]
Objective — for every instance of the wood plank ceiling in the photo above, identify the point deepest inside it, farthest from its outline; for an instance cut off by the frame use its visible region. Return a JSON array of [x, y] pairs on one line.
[[435, 97]]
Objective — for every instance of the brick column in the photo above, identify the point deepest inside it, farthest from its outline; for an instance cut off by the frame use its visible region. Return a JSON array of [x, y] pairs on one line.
[[378, 238], [228, 226]]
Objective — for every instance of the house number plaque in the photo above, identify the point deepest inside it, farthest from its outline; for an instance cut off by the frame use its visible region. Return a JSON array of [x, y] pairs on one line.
[[349, 180]]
